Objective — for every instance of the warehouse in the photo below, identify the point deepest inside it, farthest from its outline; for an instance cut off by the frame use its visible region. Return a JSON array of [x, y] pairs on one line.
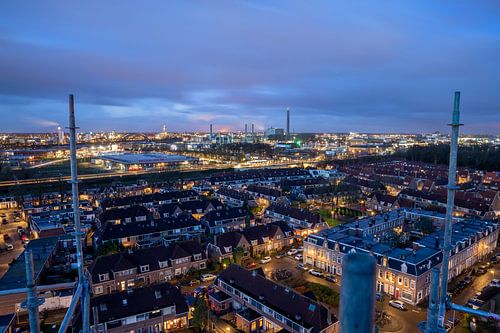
[[134, 162]]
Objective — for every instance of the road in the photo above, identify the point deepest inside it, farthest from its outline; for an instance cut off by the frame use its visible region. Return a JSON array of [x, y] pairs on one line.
[[9, 229]]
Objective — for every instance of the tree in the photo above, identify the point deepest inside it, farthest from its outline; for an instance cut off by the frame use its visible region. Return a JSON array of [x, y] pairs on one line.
[[200, 315], [238, 254]]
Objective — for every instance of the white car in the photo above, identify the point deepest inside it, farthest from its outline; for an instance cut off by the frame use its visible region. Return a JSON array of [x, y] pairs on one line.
[[397, 304], [9, 246], [291, 252], [495, 283], [208, 277], [299, 257], [265, 260], [302, 267], [315, 272]]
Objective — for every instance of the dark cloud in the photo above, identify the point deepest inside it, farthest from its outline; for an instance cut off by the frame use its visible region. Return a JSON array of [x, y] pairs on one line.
[[340, 66]]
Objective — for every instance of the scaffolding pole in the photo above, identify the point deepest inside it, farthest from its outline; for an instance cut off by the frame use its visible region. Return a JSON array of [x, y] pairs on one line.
[[450, 202], [357, 299], [32, 302]]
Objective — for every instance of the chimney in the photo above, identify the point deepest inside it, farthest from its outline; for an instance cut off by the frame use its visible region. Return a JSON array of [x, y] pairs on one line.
[[288, 123]]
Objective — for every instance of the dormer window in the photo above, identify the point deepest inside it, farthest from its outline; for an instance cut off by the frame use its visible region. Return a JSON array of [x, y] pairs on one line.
[[144, 268], [104, 277]]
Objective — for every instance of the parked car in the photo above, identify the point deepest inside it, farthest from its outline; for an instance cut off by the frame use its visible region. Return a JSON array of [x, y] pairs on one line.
[[9, 246], [474, 303], [251, 265], [17, 219], [199, 290], [468, 280], [194, 282], [279, 256], [494, 260], [298, 257], [314, 272], [481, 271], [4, 221], [265, 260], [6, 237], [397, 304], [302, 267], [494, 283], [208, 277], [291, 252], [3, 215], [300, 248], [379, 297], [331, 278]]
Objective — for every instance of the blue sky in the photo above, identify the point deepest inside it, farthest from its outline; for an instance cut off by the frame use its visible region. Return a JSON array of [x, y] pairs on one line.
[[369, 66]]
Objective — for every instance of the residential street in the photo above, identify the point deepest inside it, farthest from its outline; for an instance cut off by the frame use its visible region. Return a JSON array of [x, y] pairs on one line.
[[9, 229]]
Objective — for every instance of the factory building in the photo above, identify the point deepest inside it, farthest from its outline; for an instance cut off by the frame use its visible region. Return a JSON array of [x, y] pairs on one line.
[[135, 162]]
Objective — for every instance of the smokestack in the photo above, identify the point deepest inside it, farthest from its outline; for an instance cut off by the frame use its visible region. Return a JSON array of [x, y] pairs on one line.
[[211, 132], [288, 123]]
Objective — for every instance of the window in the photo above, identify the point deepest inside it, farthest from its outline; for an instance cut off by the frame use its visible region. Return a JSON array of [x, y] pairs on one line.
[[419, 296], [144, 268], [400, 280], [406, 282], [406, 295], [380, 273], [98, 290], [412, 284], [387, 275], [104, 277]]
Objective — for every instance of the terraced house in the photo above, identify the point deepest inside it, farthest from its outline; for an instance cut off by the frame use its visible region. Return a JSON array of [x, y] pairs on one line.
[[120, 271], [403, 273], [261, 305], [158, 308]]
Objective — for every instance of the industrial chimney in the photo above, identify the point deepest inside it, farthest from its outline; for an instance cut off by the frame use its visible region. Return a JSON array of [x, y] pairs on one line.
[[288, 123]]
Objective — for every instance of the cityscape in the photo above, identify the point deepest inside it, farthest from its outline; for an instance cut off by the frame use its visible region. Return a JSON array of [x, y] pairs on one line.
[[249, 166]]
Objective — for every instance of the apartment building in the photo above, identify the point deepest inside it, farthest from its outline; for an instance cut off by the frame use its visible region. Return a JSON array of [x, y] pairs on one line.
[[401, 272], [302, 221], [261, 305], [120, 271]]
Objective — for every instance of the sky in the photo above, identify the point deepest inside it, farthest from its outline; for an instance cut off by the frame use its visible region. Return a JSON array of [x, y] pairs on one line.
[[365, 66]]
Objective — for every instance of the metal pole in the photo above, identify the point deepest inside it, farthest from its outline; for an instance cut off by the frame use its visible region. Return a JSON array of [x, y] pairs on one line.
[[471, 311], [69, 314], [432, 313], [449, 207], [32, 303], [357, 297], [76, 210]]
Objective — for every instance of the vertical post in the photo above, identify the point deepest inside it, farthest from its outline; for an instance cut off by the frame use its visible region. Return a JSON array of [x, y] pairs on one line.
[[450, 202], [432, 312], [76, 209], [32, 302], [357, 294]]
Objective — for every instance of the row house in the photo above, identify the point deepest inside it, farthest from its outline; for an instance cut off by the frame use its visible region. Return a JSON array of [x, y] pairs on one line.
[[135, 213], [224, 220], [197, 208], [302, 184], [264, 192], [378, 225], [302, 221], [151, 232], [403, 273], [262, 305], [232, 197], [8, 202], [120, 271], [263, 176], [150, 200], [382, 202], [156, 308], [255, 240]]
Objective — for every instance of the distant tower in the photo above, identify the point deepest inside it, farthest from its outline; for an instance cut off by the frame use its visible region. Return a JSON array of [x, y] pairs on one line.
[[211, 132], [253, 134], [288, 123], [60, 135], [165, 129], [246, 132]]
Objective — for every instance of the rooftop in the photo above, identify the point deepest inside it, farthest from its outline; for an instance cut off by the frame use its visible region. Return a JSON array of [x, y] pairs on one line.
[[145, 158]]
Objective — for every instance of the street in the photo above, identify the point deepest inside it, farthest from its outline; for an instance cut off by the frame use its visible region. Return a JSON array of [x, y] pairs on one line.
[[9, 229]]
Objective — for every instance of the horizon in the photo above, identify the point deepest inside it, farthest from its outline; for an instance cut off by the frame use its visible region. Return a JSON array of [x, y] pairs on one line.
[[340, 67]]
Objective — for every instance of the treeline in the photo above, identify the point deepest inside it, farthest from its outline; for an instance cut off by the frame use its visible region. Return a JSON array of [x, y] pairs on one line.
[[484, 157]]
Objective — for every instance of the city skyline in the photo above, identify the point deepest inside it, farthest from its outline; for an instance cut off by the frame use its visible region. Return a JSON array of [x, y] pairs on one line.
[[339, 67]]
